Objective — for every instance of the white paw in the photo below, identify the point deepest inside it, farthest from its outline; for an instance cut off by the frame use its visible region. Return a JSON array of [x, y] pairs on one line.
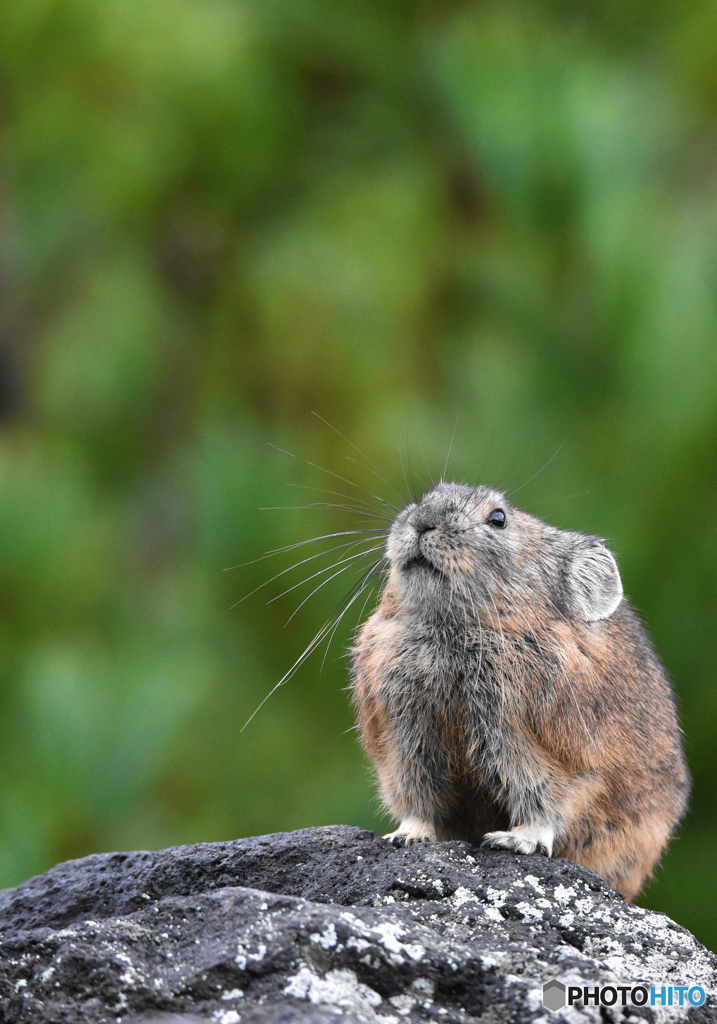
[[522, 839], [411, 831]]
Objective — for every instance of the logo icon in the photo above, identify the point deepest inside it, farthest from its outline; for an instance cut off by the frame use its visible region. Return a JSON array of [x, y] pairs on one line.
[[553, 995]]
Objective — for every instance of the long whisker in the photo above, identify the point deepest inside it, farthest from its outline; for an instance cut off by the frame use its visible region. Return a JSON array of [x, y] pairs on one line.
[[364, 578], [545, 466], [352, 596], [319, 554], [409, 492], [363, 539], [338, 476], [412, 474], [324, 504], [369, 464], [428, 470], [450, 448], [327, 568], [327, 536], [337, 494], [559, 497], [370, 592], [303, 543], [328, 627], [315, 591], [356, 462], [292, 671]]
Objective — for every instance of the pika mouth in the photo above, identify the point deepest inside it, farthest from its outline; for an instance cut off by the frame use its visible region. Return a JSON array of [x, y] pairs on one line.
[[420, 561]]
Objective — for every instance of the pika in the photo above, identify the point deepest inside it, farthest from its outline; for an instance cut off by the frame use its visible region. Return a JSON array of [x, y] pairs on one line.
[[507, 693]]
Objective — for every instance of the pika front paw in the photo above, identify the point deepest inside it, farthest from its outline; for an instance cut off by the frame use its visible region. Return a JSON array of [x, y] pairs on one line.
[[410, 832], [522, 839], [399, 838]]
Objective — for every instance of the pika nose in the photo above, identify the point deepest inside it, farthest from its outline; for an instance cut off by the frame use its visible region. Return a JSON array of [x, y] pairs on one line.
[[423, 521]]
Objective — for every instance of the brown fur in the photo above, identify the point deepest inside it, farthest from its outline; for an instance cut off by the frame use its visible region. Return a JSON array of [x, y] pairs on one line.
[[504, 686]]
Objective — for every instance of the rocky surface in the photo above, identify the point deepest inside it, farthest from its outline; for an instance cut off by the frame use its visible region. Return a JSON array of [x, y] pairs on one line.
[[300, 928]]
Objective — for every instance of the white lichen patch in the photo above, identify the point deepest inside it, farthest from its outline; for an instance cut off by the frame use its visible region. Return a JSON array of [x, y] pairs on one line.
[[389, 934], [226, 1017], [462, 896], [403, 1003], [490, 960], [564, 893], [234, 993], [584, 905], [424, 987], [419, 993], [497, 897], [326, 939], [534, 997], [130, 975], [529, 912], [245, 954], [339, 988]]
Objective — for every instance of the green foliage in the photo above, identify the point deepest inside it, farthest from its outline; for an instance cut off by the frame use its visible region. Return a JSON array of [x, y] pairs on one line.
[[218, 216]]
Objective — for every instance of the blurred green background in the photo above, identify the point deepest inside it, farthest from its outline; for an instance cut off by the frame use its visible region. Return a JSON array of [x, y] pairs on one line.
[[219, 215]]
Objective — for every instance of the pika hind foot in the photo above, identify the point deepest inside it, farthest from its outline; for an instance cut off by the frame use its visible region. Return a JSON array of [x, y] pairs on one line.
[[522, 839], [411, 831]]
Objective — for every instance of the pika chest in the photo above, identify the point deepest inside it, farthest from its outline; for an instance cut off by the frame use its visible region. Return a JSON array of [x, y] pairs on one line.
[[444, 707]]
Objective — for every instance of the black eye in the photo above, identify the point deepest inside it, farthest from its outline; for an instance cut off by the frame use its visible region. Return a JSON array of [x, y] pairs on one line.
[[497, 518]]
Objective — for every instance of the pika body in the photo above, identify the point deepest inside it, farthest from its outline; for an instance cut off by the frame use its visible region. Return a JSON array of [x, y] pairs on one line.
[[508, 694]]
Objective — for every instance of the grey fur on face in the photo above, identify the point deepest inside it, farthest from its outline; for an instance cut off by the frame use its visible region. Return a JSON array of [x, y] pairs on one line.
[[449, 540]]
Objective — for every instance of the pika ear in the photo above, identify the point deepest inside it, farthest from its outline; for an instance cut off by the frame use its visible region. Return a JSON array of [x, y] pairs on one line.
[[595, 584]]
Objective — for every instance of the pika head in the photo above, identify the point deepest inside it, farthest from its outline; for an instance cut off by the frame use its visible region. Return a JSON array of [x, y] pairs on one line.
[[462, 550], [507, 693]]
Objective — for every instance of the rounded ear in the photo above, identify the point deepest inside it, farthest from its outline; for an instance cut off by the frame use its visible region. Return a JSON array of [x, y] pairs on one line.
[[595, 584]]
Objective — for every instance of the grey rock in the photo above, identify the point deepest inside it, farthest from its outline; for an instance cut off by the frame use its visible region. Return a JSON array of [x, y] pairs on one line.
[[302, 927]]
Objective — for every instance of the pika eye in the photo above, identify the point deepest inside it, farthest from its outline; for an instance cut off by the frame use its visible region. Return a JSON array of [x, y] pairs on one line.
[[497, 518]]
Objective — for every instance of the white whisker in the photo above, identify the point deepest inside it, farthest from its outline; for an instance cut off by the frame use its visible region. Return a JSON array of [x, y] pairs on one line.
[[330, 472], [319, 554], [368, 463], [299, 661], [327, 568], [363, 584]]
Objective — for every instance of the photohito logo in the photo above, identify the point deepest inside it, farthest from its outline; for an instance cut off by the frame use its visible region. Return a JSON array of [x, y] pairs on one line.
[[556, 995]]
